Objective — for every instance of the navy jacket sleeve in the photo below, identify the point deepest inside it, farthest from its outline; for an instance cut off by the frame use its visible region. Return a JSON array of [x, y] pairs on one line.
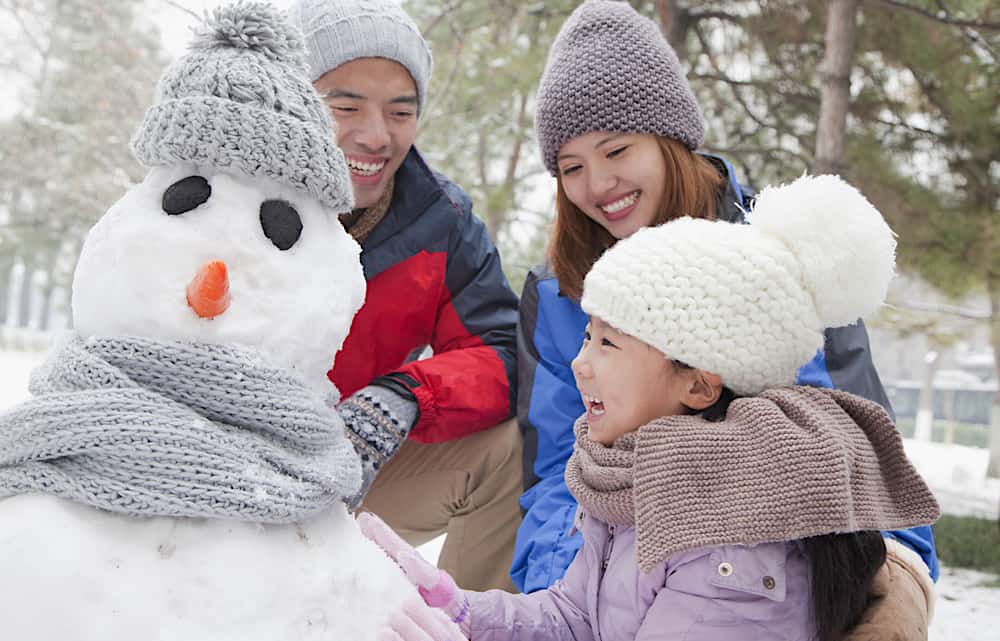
[[550, 332], [845, 363]]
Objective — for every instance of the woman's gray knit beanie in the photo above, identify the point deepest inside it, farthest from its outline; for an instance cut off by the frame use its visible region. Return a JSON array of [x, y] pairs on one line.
[[611, 69], [240, 100]]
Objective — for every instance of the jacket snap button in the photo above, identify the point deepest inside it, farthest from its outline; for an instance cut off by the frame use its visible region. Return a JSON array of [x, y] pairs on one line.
[[725, 569], [769, 582]]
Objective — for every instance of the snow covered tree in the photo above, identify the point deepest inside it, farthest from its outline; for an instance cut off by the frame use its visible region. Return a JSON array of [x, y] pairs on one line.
[[85, 73]]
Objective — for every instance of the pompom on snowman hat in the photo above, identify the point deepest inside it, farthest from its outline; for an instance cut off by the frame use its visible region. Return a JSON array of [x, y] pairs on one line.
[[240, 101], [749, 302]]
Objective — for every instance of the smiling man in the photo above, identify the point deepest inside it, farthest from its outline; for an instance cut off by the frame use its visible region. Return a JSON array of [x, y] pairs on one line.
[[438, 451]]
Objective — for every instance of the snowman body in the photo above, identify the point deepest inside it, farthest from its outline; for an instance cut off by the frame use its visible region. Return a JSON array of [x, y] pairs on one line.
[[74, 572], [71, 571]]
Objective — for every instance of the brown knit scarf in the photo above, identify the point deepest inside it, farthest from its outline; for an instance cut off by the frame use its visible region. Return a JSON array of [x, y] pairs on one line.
[[360, 222], [791, 463]]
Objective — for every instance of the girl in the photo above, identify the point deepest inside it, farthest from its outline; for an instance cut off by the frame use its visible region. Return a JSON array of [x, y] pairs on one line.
[[716, 502], [617, 125]]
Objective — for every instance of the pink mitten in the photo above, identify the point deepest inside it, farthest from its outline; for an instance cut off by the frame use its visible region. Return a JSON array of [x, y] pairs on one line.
[[417, 621], [436, 586]]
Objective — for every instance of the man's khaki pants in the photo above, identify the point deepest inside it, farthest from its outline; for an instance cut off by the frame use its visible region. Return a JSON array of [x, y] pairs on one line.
[[469, 489]]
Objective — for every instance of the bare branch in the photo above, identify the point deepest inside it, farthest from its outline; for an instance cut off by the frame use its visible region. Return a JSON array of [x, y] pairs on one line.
[[35, 43], [951, 310], [180, 7]]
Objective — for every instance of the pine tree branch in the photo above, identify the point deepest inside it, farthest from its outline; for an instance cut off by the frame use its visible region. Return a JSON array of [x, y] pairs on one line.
[[943, 16], [446, 12], [716, 14], [737, 94]]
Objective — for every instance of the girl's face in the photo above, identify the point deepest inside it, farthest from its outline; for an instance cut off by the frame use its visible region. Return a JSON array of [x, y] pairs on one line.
[[625, 383], [615, 179]]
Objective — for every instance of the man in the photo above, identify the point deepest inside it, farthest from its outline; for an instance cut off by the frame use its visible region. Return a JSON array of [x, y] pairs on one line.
[[438, 451]]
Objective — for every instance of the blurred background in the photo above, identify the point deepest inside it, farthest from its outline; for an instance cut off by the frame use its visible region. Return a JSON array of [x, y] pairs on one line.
[[900, 97]]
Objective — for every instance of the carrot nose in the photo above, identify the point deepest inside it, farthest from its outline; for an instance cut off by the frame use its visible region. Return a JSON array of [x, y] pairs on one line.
[[208, 291]]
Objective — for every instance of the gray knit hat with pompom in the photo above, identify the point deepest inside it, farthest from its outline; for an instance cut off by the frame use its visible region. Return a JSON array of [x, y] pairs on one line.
[[240, 100], [611, 69]]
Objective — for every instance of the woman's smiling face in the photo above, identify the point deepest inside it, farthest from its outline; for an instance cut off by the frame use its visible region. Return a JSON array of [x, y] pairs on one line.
[[617, 180]]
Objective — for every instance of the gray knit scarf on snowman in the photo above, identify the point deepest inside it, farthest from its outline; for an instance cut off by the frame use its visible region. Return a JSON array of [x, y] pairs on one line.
[[149, 428]]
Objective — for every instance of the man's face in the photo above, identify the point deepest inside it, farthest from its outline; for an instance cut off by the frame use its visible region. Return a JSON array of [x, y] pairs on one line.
[[374, 101]]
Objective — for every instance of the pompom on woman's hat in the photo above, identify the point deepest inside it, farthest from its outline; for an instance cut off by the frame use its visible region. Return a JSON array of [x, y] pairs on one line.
[[749, 302]]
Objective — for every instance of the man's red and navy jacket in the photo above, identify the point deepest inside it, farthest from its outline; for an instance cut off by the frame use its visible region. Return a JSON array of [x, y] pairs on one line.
[[434, 279], [550, 333]]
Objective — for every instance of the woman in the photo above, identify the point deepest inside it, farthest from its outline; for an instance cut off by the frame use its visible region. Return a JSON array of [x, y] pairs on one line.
[[618, 125]]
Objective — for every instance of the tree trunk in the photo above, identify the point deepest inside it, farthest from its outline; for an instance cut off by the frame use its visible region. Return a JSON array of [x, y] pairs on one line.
[[835, 74], [46, 291], [24, 299], [993, 287], [924, 423], [5, 269], [674, 23]]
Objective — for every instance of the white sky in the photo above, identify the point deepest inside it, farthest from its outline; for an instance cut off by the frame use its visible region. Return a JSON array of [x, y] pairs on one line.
[[175, 21]]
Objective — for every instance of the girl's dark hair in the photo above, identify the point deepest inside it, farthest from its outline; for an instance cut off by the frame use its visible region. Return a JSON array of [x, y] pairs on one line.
[[843, 568], [843, 565]]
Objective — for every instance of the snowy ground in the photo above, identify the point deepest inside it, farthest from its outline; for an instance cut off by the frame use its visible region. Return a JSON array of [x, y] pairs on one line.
[[966, 609]]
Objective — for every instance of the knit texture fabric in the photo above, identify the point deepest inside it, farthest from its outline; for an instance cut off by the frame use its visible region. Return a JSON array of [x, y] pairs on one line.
[[749, 302], [792, 463], [378, 421], [601, 478], [240, 101], [338, 31], [360, 223], [149, 428], [611, 69]]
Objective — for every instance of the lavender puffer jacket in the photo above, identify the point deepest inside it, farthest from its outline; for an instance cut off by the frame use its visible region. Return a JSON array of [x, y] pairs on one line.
[[727, 593]]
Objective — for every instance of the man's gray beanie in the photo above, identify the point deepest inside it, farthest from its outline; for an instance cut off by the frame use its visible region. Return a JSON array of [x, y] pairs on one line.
[[240, 100], [338, 31], [611, 69]]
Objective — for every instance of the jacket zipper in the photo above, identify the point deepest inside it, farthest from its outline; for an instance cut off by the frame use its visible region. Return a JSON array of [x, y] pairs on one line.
[[609, 548], [604, 566]]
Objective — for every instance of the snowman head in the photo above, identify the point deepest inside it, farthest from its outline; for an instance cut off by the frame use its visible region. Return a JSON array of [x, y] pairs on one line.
[[233, 236]]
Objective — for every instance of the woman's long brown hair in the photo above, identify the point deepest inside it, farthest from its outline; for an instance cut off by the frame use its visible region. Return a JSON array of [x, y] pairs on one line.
[[693, 187]]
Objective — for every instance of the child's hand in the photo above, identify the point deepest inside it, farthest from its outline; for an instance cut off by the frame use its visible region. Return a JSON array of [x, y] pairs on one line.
[[417, 621], [436, 586]]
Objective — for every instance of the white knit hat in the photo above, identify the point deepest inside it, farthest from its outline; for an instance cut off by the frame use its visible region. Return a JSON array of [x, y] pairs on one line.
[[749, 302]]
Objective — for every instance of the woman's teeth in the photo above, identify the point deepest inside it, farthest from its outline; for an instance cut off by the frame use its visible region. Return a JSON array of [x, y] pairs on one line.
[[621, 203], [594, 405], [365, 168]]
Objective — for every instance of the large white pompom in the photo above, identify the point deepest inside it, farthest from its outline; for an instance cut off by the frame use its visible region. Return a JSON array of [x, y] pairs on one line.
[[846, 249]]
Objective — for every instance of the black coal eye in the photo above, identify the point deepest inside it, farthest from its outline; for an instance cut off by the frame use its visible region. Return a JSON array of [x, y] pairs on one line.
[[281, 223], [186, 194]]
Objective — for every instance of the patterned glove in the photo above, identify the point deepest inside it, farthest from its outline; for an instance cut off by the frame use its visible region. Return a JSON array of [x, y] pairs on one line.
[[436, 586], [904, 599], [378, 418]]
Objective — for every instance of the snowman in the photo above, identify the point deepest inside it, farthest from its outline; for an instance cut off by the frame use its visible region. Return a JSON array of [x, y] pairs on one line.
[[180, 472]]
